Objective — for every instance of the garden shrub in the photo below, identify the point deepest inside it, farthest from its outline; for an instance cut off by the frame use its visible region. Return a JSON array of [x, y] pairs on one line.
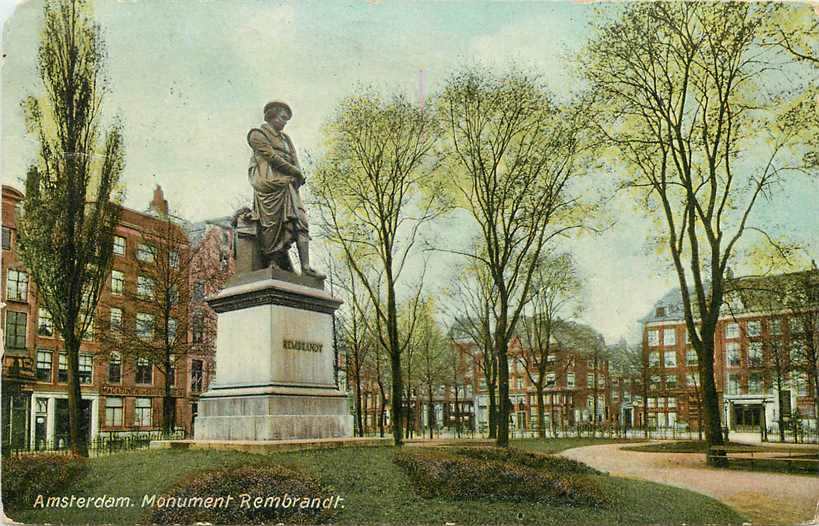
[[438, 473], [27, 476], [552, 463], [177, 505]]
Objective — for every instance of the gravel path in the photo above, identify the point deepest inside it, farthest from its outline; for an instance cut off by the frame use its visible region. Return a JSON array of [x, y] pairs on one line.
[[763, 498]]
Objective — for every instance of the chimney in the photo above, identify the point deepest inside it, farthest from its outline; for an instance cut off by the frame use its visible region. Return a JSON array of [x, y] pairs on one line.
[[159, 204]]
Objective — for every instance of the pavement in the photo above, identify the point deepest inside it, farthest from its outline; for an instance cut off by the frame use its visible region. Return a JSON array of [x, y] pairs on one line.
[[762, 498]]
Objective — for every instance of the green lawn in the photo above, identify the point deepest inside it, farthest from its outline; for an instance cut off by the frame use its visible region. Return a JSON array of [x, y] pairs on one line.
[[375, 491], [556, 445]]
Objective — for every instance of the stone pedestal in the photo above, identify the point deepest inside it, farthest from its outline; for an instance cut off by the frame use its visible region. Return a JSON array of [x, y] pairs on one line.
[[275, 376]]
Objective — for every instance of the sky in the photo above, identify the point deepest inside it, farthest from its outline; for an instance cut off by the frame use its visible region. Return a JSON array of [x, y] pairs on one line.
[[189, 79]]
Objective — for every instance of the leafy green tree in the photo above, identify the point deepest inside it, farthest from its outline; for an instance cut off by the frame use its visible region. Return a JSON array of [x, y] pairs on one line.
[[375, 190], [555, 293], [70, 211], [512, 156], [680, 105]]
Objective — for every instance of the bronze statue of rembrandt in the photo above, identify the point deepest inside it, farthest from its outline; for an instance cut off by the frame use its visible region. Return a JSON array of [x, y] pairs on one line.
[[276, 177]]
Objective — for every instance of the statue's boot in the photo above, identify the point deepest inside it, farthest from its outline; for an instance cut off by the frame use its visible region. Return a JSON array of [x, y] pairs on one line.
[[281, 261], [304, 258]]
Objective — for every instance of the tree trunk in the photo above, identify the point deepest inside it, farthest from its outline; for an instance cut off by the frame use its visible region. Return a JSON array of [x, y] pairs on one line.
[[541, 410], [493, 409], [79, 442], [503, 398], [430, 410], [711, 409], [358, 402], [167, 400]]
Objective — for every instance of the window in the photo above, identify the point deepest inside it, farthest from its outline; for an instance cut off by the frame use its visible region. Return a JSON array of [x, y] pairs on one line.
[[144, 371], [754, 328], [62, 369], [173, 258], [671, 381], [755, 354], [796, 326], [672, 402], [6, 238], [142, 412], [732, 354], [198, 327], [670, 359], [88, 335], [119, 245], [145, 326], [86, 368], [733, 384], [801, 383], [570, 380], [44, 366], [654, 359], [198, 290], [114, 368], [113, 411], [145, 288], [660, 312], [653, 338], [796, 352], [145, 253], [519, 383], [171, 329], [669, 337], [690, 357], [590, 380], [732, 330], [654, 382], [776, 327], [17, 285], [755, 383], [45, 325], [196, 375], [15, 330], [117, 282], [652, 402], [116, 319]]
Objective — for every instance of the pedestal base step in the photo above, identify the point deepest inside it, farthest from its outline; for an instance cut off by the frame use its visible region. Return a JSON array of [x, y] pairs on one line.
[[250, 446]]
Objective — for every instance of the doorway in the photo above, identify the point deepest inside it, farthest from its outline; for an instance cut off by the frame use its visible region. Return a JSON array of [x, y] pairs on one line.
[[62, 434]]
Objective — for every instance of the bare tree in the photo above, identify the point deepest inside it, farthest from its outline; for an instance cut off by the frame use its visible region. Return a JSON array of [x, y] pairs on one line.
[[374, 191], [555, 289], [473, 298], [70, 212], [679, 104], [513, 153], [356, 333], [431, 352], [156, 325]]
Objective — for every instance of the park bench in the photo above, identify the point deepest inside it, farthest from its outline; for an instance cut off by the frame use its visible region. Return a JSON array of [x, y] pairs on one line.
[[790, 459]]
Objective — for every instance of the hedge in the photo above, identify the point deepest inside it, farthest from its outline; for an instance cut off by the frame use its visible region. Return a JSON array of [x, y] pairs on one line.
[[437, 473], [27, 476], [258, 495], [552, 463]]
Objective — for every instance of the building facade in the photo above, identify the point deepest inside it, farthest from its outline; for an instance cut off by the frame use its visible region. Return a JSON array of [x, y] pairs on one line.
[[762, 360], [120, 392]]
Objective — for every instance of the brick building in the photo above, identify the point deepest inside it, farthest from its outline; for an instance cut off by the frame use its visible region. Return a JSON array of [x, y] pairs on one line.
[[120, 393], [762, 365]]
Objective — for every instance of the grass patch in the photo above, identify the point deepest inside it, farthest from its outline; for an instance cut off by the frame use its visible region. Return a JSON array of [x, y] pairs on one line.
[[556, 445], [374, 489]]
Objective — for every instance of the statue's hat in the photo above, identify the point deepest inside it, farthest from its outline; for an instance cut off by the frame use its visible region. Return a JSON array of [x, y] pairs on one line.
[[277, 104]]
